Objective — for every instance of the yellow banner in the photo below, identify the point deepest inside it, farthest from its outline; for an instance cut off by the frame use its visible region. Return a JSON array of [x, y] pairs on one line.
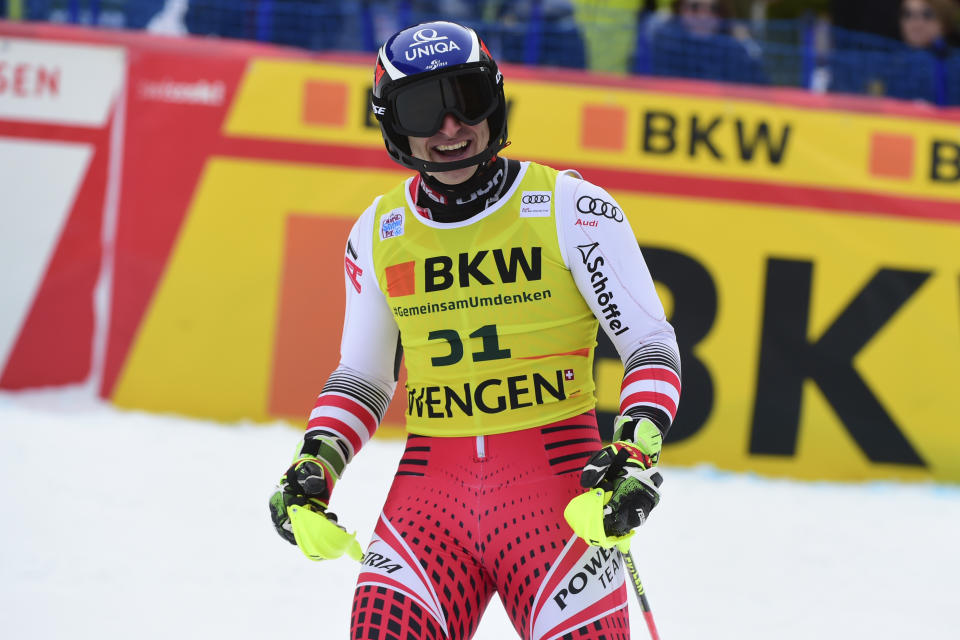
[[819, 340], [628, 128], [814, 344]]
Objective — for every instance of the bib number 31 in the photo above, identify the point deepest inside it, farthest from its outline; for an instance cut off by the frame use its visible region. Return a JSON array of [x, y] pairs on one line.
[[490, 344]]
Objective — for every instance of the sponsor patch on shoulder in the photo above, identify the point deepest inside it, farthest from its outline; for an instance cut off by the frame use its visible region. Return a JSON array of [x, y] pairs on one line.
[[535, 204], [391, 223]]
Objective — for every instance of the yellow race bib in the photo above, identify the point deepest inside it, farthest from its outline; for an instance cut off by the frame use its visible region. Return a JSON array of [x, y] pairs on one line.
[[496, 335]]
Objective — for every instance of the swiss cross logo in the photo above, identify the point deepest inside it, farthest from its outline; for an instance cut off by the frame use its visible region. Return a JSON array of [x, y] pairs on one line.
[[568, 374]]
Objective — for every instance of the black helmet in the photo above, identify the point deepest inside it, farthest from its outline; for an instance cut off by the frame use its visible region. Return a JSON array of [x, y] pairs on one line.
[[427, 71]]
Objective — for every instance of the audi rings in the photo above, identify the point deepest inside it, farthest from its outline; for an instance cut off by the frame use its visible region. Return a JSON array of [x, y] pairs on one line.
[[535, 198], [599, 207]]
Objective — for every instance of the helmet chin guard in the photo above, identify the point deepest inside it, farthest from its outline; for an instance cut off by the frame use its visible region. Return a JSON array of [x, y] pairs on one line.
[[427, 71]]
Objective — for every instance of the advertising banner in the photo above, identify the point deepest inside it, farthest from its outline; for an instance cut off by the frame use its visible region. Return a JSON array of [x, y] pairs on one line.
[[807, 249], [57, 114]]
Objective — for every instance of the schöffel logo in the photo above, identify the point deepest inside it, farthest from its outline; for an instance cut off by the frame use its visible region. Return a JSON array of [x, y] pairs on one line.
[[391, 224], [599, 207], [535, 204], [599, 282]]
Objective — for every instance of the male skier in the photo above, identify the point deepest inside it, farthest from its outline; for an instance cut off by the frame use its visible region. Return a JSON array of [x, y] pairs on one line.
[[490, 277]]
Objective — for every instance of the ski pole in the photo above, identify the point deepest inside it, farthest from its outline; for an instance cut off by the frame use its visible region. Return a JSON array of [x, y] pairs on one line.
[[641, 595]]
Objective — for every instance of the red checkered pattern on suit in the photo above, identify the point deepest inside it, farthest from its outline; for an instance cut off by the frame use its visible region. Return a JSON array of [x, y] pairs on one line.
[[465, 519]]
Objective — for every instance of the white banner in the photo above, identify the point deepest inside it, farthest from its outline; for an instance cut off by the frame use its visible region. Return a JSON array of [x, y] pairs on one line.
[[39, 181], [63, 84]]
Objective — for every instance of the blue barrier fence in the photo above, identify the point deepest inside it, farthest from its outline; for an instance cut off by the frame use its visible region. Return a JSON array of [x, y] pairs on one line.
[[799, 53]]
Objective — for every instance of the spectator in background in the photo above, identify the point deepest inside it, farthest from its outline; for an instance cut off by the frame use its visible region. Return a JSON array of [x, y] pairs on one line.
[[926, 68], [541, 32], [701, 18], [609, 30], [310, 24], [702, 41], [926, 24]]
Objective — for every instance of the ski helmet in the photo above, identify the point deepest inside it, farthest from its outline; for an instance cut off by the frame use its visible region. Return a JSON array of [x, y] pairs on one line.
[[427, 71]]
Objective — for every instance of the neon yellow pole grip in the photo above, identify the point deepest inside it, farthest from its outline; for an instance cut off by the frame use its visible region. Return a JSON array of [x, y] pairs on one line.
[[321, 539], [584, 514]]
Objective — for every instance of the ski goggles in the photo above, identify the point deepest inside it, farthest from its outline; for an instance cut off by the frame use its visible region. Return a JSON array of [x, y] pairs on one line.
[[418, 108]]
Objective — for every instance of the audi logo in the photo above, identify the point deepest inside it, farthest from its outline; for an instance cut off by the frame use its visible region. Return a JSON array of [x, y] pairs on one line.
[[535, 199], [599, 207]]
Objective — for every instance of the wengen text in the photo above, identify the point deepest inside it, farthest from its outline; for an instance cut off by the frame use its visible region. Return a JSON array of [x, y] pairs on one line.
[[493, 395]]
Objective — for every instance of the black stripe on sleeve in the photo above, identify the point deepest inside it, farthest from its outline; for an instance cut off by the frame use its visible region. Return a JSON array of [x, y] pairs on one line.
[[360, 390], [654, 353]]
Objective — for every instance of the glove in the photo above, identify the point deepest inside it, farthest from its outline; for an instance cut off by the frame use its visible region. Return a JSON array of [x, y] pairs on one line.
[[623, 482], [307, 483], [298, 507]]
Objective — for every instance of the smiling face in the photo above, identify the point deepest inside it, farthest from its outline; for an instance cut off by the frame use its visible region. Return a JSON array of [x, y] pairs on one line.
[[454, 141]]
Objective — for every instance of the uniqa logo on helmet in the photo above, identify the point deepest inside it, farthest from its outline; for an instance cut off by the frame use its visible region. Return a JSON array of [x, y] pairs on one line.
[[411, 50], [432, 50], [427, 42]]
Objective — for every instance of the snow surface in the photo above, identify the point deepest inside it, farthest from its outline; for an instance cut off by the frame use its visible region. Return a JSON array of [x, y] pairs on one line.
[[122, 524]]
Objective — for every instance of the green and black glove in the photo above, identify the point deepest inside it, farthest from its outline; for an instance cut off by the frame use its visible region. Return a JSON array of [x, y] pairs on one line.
[[298, 507], [624, 485]]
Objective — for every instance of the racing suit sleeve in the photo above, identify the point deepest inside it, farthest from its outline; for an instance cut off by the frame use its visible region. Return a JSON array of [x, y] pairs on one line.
[[356, 395], [602, 253]]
